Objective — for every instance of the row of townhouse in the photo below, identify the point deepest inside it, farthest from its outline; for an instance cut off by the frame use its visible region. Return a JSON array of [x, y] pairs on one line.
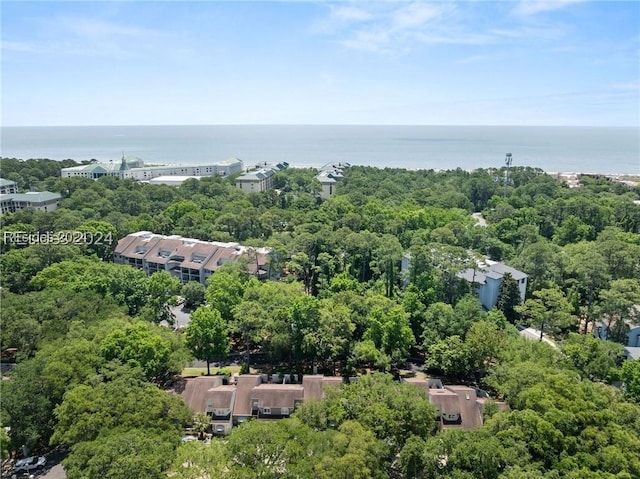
[[134, 168], [185, 258], [254, 396]]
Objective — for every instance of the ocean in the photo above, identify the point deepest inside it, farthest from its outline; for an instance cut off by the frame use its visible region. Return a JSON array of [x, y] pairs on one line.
[[613, 150]]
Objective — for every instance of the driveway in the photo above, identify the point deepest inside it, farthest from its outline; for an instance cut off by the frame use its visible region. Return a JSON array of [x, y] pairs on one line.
[[56, 472], [534, 335]]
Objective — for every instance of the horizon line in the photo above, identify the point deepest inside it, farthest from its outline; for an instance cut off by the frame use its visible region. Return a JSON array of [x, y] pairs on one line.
[[321, 124]]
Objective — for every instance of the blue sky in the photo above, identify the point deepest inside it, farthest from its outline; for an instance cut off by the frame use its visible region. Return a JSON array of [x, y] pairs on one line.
[[562, 62]]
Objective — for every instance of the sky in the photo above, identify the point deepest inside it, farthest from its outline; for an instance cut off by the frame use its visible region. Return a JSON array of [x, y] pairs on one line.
[[561, 62]]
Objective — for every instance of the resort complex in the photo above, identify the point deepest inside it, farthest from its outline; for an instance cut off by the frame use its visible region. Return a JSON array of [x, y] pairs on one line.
[[134, 168]]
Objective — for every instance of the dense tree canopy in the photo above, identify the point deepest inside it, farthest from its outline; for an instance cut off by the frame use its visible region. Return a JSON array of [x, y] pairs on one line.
[[367, 279]]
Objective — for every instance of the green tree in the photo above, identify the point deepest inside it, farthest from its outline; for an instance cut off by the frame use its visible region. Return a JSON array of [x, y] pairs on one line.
[[27, 404], [122, 454], [390, 331], [225, 290], [207, 335], [509, 298], [593, 357], [393, 411], [193, 293], [549, 310], [630, 374], [618, 305], [100, 238], [365, 353], [451, 356], [163, 293], [88, 411], [138, 343]]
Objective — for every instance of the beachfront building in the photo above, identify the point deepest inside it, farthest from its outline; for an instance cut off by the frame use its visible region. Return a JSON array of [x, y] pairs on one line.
[[95, 170], [328, 176], [7, 187], [187, 259], [487, 278], [134, 168], [40, 200], [261, 178]]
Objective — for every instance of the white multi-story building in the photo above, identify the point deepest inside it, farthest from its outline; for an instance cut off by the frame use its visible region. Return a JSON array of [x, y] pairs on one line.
[[134, 168], [260, 179], [40, 200], [329, 175], [7, 186]]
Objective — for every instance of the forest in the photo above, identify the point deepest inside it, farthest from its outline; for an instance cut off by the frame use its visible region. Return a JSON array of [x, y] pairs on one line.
[[93, 356]]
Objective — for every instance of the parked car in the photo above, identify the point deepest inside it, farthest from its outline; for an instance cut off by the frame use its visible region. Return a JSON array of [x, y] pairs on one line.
[[30, 463]]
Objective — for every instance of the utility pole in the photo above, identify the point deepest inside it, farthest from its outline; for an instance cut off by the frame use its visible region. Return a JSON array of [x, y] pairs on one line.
[[507, 161]]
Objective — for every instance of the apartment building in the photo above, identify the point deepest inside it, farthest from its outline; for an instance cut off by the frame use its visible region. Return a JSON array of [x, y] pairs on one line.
[[329, 176], [40, 200], [261, 178], [7, 187], [187, 259]]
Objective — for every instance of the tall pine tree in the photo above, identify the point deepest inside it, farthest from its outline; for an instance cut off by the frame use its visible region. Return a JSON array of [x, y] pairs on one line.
[[509, 298]]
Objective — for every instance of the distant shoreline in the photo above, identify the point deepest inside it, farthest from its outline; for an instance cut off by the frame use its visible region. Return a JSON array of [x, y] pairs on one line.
[[602, 150]]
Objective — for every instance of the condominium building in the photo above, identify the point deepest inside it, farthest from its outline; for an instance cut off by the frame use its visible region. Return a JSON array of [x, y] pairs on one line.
[[187, 259], [40, 200], [329, 176], [7, 187], [261, 178]]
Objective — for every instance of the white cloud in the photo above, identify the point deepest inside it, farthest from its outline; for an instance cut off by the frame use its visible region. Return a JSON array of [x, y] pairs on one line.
[[350, 14], [23, 47], [66, 35], [417, 14], [398, 27], [533, 7]]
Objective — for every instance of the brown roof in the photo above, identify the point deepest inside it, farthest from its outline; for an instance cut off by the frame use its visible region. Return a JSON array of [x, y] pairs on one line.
[[468, 406], [124, 243], [189, 250], [419, 382], [221, 397], [171, 246], [312, 387], [246, 383], [277, 395], [218, 257], [445, 400], [131, 248], [196, 391]]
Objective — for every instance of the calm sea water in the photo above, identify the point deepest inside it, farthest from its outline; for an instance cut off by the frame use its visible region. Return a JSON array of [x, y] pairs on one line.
[[569, 149]]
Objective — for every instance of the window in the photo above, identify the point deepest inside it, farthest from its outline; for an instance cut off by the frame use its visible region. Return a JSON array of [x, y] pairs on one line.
[[266, 410]]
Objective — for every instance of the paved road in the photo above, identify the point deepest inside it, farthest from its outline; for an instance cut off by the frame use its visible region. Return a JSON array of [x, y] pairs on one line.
[[56, 472], [534, 335]]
